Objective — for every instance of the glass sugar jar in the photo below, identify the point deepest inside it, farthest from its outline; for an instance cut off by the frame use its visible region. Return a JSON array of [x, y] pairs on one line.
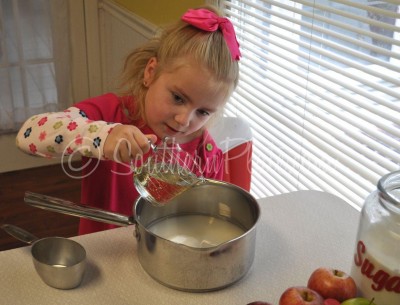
[[376, 262]]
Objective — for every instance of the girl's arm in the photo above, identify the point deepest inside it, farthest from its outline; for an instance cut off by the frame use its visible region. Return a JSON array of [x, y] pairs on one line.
[[64, 133]]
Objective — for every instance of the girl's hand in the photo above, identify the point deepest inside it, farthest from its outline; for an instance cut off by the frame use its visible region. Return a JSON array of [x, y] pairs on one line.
[[125, 142]]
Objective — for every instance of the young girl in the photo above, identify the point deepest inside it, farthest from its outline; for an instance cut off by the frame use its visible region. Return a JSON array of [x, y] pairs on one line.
[[170, 87]]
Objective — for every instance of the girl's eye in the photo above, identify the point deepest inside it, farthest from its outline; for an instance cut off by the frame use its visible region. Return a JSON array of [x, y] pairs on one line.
[[203, 112], [177, 98]]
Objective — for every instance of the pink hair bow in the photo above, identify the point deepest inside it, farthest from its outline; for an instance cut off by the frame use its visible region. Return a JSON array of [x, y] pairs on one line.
[[210, 22]]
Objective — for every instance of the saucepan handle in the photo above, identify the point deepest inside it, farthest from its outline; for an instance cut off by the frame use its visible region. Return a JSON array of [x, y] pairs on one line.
[[69, 208]]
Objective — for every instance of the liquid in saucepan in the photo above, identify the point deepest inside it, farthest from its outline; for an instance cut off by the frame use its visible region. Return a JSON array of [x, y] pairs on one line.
[[199, 231]]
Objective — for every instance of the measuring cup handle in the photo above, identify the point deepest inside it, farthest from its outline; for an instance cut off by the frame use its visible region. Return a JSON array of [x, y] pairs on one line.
[[19, 233], [69, 208]]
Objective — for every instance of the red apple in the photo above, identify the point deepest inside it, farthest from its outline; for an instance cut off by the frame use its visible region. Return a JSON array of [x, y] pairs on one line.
[[331, 302], [300, 295], [332, 283]]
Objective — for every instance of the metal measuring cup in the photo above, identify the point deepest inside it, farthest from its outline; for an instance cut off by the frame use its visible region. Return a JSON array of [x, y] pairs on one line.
[[167, 172], [60, 262]]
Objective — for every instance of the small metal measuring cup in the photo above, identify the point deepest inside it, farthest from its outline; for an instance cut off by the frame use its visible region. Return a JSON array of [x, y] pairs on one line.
[[60, 262], [168, 172]]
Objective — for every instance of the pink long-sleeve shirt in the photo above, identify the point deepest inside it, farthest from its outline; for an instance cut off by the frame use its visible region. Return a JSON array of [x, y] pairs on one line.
[[83, 129]]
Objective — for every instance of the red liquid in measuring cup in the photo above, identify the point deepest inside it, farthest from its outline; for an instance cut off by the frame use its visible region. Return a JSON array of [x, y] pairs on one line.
[[160, 186]]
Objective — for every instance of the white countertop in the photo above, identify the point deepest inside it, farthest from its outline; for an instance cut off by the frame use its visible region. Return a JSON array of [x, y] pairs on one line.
[[297, 233]]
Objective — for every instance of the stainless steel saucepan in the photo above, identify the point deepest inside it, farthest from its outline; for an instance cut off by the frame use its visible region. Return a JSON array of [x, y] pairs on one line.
[[202, 240]]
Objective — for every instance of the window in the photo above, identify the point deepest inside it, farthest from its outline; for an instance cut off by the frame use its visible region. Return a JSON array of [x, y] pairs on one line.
[[34, 60], [320, 85]]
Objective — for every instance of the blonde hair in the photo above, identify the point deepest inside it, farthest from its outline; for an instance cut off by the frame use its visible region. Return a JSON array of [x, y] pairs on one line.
[[174, 43]]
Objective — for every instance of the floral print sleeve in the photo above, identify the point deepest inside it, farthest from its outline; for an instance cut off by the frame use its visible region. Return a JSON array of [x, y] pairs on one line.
[[64, 133]]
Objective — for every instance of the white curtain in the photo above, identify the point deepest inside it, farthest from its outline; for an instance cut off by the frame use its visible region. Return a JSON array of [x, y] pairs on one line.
[[34, 59], [320, 85]]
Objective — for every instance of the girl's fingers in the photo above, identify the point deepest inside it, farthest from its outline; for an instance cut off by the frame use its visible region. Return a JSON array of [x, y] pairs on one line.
[[143, 142], [125, 152], [126, 142], [152, 138]]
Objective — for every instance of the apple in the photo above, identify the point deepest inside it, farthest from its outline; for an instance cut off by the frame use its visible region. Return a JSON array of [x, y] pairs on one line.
[[332, 284], [300, 295], [358, 301], [259, 303], [331, 302]]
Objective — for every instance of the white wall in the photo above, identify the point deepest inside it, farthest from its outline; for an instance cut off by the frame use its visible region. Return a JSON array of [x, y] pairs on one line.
[[120, 32]]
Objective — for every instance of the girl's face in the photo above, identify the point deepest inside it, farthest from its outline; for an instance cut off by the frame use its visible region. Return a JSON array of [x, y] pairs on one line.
[[179, 102]]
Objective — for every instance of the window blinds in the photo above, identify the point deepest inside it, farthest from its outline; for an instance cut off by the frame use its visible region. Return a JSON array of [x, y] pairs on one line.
[[320, 86]]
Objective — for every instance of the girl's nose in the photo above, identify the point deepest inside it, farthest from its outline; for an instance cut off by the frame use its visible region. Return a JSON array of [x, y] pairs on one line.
[[183, 117]]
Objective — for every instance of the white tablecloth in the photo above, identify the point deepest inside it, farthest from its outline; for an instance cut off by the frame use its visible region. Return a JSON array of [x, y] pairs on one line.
[[297, 233]]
